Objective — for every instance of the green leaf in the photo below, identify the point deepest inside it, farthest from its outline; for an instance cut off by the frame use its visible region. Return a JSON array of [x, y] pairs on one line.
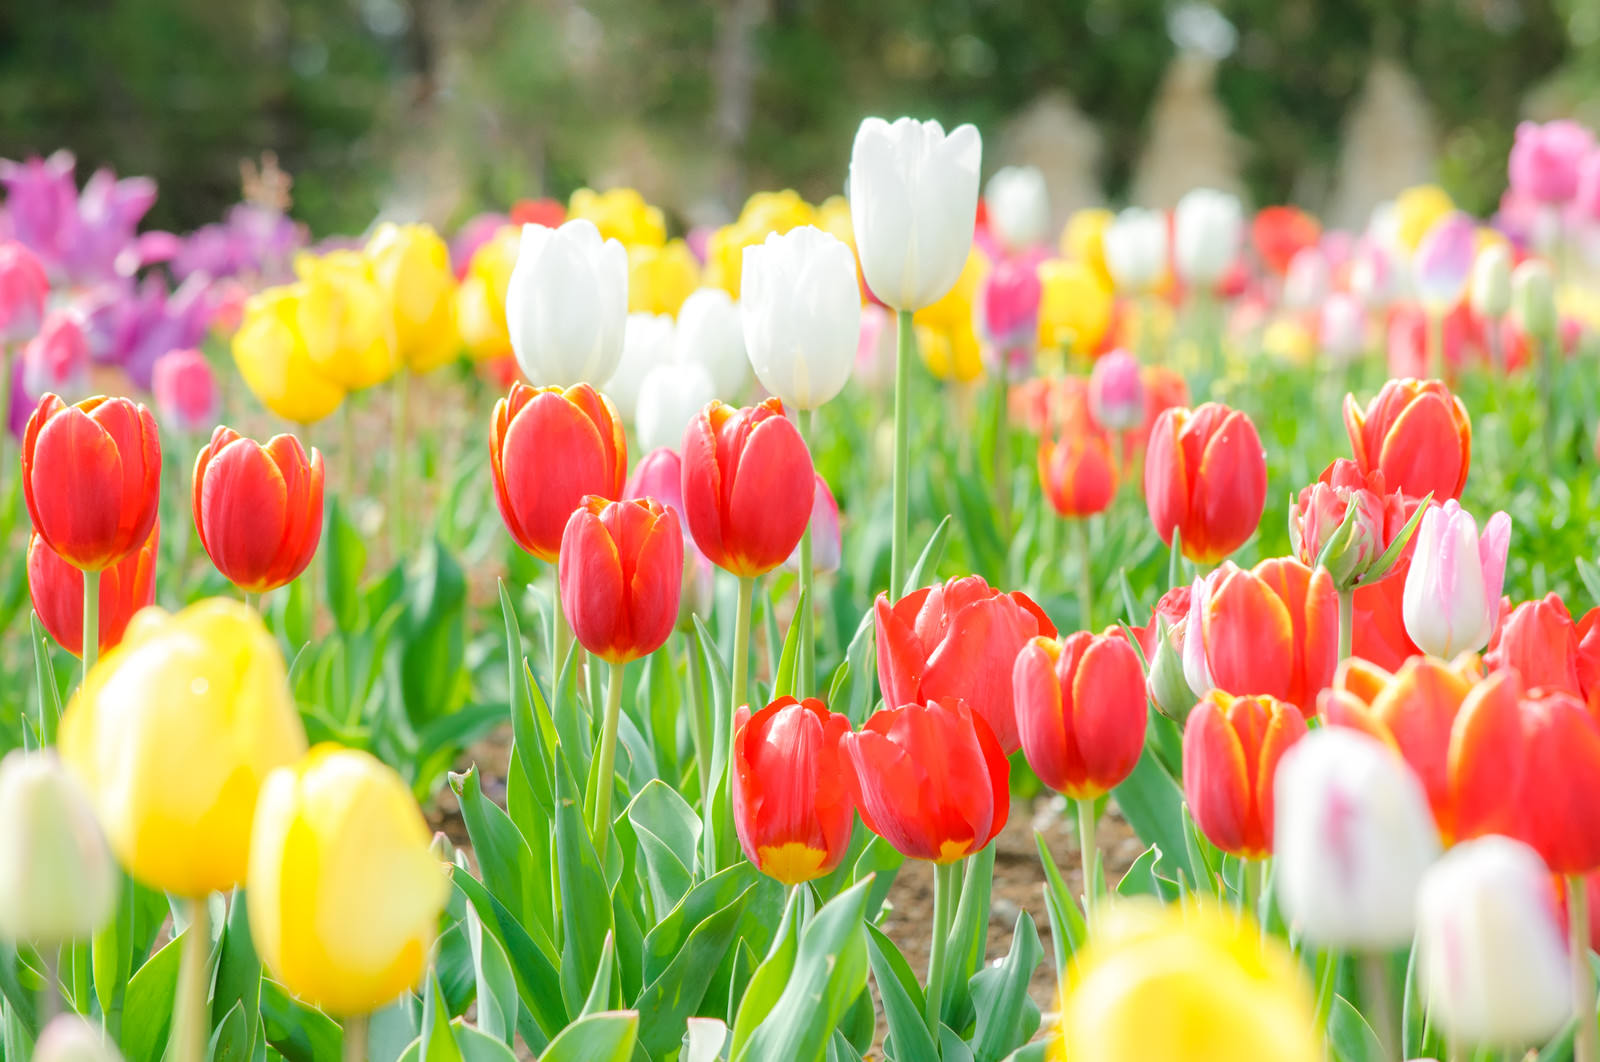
[[1349, 1034], [664, 942], [496, 984], [231, 1039], [607, 1037], [928, 560], [767, 983], [668, 831], [879, 861], [603, 990], [504, 857], [969, 933], [346, 559], [1035, 1052], [667, 1002], [430, 635], [783, 683], [1000, 995], [44, 676], [585, 916], [1067, 929], [538, 983], [477, 1046], [238, 983], [1152, 802], [903, 1000], [147, 1009], [1139, 879]]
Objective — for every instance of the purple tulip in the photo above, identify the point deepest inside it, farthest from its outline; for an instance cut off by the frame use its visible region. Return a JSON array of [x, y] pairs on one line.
[[132, 327], [1444, 259], [42, 203], [1545, 158]]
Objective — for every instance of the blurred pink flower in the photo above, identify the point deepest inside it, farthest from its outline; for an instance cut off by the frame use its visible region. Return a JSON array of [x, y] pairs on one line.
[[1586, 199], [23, 290], [187, 399], [1443, 263], [1008, 315], [55, 360], [826, 546], [1544, 159], [1116, 391]]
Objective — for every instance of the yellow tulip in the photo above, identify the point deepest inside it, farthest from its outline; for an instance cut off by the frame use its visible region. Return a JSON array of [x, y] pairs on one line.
[[960, 357], [344, 894], [1075, 306], [833, 217], [660, 278], [345, 319], [1191, 983], [412, 266], [620, 214], [481, 298], [1290, 340], [763, 213], [1083, 240], [272, 358], [1416, 209], [173, 733]]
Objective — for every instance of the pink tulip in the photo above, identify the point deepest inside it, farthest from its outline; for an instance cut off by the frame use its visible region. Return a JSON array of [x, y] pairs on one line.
[[1342, 328], [659, 475], [1308, 279], [1444, 261], [826, 547], [1116, 391], [1452, 595], [1008, 315], [56, 361], [1545, 159], [23, 289], [186, 392], [875, 351], [1586, 202]]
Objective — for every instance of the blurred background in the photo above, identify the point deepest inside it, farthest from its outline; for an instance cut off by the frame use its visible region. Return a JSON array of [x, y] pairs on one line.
[[438, 108]]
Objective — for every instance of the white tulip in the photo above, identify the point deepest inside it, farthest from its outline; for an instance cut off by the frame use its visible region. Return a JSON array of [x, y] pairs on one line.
[[1018, 203], [669, 398], [68, 1038], [646, 343], [801, 310], [1490, 292], [1308, 279], [57, 879], [709, 333], [1207, 228], [1490, 951], [566, 302], [1352, 836], [1136, 249], [913, 204], [1342, 328]]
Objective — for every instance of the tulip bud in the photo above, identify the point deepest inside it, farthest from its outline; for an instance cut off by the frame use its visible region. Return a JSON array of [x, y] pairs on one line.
[[1080, 711], [1018, 204], [1349, 525], [791, 790], [258, 508], [1116, 391], [646, 344], [1491, 281], [1545, 160], [621, 574], [411, 265], [566, 302], [800, 307], [620, 214], [1207, 228], [1452, 594], [56, 360], [1205, 475], [56, 591], [1077, 473], [1167, 685], [1231, 750], [1491, 958], [669, 397], [710, 333], [69, 1038], [186, 391], [1417, 434], [1533, 299], [57, 881], [345, 320], [1136, 250], [1076, 307], [23, 291]]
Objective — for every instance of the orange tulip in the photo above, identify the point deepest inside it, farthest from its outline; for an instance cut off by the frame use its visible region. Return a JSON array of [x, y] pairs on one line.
[[1077, 473], [1080, 711], [258, 509], [791, 790], [56, 589], [1417, 434], [621, 571], [1205, 475], [1231, 749]]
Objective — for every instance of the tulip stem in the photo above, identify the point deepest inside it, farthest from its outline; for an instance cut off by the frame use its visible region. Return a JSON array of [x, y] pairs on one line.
[[397, 462], [807, 670], [1089, 850], [1347, 623], [741, 646], [190, 1013], [1002, 455], [50, 994], [944, 881], [1544, 351], [91, 621], [347, 445], [1080, 538], [1380, 1004], [1436, 364], [355, 1039], [1585, 1047], [601, 821], [905, 349]]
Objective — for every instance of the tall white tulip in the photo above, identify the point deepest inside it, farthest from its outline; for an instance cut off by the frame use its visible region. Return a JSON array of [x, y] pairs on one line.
[[1491, 956], [913, 203], [1136, 249], [1490, 290], [1207, 228], [801, 310], [566, 302], [57, 879], [669, 398], [1352, 836], [646, 343], [1018, 203], [709, 333]]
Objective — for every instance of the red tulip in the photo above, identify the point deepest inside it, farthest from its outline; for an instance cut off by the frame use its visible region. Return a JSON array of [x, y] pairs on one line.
[[1417, 434], [621, 571], [1231, 749], [91, 475], [791, 795], [747, 486], [1280, 233], [1539, 640], [1076, 472], [258, 508], [1380, 625], [957, 641], [1205, 475], [56, 589], [930, 779], [1172, 608], [550, 447], [1272, 630], [1080, 711]]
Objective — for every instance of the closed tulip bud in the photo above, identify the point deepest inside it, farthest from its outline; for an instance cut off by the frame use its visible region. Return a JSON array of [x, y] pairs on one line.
[[930, 779], [173, 732], [333, 833], [647, 343], [23, 291], [661, 278], [670, 395], [345, 319], [566, 304], [1533, 299], [826, 545], [1116, 391], [57, 881], [801, 312], [1545, 160], [273, 360], [1205, 476], [1346, 521], [1352, 836], [1008, 317], [186, 391], [1490, 955], [1342, 328], [621, 573], [740, 469], [792, 804], [1018, 205], [549, 448], [1167, 685], [1231, 749], [1077, 472], [56, 360], [91, 475], [411, 266], [69, 1038], [913, 202], [1080, 711], [1443, 264], [1490, 292], [710, 333], [1452, 595], [1207, 228], [56, 590], [258, 508], [1136, 250], [958, 641], [1417, 434]]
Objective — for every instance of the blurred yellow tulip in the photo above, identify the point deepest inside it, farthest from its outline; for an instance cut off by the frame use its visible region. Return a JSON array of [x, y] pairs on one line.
[[345, 319], [481, 298], [1288, 339], [1083, 240], [1075, 306], [620, 214], [412, 265], [833, 217], [272, 358], [660, 278], [960, 356], [1191, 983], [1415, 211], [763, 213], [173, 733], [344, 893]]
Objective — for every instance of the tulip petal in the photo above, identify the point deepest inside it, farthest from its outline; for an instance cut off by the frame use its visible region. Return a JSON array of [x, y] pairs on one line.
[[769, 504]]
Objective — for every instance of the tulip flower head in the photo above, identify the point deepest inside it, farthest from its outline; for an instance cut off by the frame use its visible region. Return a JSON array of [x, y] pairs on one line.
[[669, 397], [1452, 591], [1545, 160], [1539, 640], [1080, 711], [411, 266], [1417, 433], [1077, 472], [621, 573], [273, 359], [1533, 299], [1490, 288], [801, 312], [1443, 265], [56, 360], [1280, 233], [345, 320], [480, 299], [709, 332], [566, 302], [647, 343], [56, 591], [1345, 522], [57, 880], [661, 278], [620, 214], [1008, 313], [1018, 204], [792, 804], [186, 391], [930, 779], [1231, 750], [1136, 250], [258, 508], [1207, 228], [1116, 391], [1076, 306], [23, 291], [1205, 476], [827, 546]]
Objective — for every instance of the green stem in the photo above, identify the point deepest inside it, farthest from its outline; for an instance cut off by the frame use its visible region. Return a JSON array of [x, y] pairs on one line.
[[1249, 900], [1585, 1047], [347, 447], [905, 351], [699, 720], [252, 601], [397, 462], [1347, 620], [944, 876], [807, 617], [563, 642], [1002, 455], [741, 645], [191, 1025], [600, 822], [6, 369], [1436, 345], [355, 1039], [1089, 849], [50, 993], [1544, 351], [1327, 974], [91, 621], [1080, 544], [1380, 1004]]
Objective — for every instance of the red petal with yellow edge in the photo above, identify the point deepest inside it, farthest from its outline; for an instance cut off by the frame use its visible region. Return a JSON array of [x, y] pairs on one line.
[[770, 502], [593, 594], [552, 457], [1216, 778], [1166, 481], [1485, 760], [1249, 637], [244, 507], [1422, 453], [1230, 490], [1108, 713]]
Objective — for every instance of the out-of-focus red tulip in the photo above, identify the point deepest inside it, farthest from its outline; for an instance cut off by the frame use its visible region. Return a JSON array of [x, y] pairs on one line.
[[547, 212], [958, 641], [1205, 475], [1077, 473], [1540, 641], [1045, 405], [91, 475], [1417, 433], [56, 589], [930, 779], [1080, 711], [792, 804], [1316, 516], [747, 486], [621, 573], [1409, 340], [1231, 749], [1280, 233], [549, 448], [258, 508]]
